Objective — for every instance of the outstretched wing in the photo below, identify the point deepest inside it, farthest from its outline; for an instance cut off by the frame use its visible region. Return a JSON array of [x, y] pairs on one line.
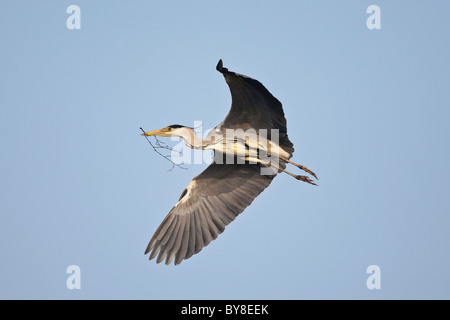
[[210, 202], [253, 106]]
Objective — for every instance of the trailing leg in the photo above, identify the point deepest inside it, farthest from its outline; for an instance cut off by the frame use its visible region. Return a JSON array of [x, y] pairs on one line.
[[302, 167]]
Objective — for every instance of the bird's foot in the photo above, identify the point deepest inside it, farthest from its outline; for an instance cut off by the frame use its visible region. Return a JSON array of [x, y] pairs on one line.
[[308, 171], [305, 179], [302, 168]]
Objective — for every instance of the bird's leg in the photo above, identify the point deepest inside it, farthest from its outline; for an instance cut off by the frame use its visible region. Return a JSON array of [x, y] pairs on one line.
[[302, 167], [298, 177], [301, 178]]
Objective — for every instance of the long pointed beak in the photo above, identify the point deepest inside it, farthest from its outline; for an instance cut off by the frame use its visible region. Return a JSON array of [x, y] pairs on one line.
[[154, 132]]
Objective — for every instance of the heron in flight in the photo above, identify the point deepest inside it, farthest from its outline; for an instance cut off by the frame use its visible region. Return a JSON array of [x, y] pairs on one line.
[[219, 194]]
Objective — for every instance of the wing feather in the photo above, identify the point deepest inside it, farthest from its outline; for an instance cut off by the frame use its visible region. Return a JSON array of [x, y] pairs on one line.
[[184, 243], [216, 197], [253, 106], [177, 243]]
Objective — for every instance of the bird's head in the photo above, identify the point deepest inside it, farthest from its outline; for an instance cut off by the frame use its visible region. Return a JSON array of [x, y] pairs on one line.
[[174, 130]]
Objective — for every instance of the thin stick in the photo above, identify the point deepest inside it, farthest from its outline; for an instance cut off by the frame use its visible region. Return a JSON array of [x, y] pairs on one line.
[[161, 145]]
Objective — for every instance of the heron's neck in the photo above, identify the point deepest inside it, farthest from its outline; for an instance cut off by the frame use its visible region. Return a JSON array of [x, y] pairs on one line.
[[191, 139]]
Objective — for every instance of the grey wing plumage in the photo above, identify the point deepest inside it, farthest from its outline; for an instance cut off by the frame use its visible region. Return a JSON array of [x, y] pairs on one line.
[[211, 201], [253, 106]]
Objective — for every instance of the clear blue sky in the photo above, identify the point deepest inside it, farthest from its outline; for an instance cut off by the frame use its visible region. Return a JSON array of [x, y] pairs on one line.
[[367, 110]]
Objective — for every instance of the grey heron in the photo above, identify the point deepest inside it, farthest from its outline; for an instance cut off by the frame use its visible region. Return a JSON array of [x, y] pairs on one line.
[[224, 189]]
